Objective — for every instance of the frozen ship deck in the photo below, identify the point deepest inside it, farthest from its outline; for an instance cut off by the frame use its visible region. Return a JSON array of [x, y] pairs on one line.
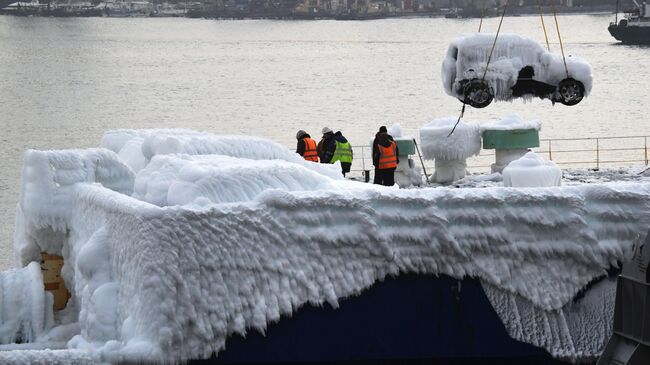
[[414, 319]]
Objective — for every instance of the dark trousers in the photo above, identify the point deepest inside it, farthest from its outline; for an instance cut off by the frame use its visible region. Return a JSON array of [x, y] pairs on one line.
[[345, 167], [384, 177]]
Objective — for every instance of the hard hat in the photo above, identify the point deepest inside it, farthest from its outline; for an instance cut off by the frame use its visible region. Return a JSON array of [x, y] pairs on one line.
[[326, 130], [300, 134]]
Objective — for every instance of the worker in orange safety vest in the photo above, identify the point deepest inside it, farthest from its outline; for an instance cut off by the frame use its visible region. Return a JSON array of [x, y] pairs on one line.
[[306, 146], [385, 157]]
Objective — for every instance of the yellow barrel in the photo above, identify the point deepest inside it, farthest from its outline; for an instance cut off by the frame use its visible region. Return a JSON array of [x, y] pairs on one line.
[[51, 267]]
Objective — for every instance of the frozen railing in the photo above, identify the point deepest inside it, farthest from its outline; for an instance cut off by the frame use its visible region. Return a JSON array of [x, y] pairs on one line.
[[601, 150], [592, 153]]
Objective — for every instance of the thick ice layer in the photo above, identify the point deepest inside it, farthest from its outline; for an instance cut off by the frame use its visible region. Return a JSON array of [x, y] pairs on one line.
[[25, 308], [200, 180], [436, 143], [172, 283], [511, 122], [154, 142], [48, 180], [467, 58], [532, 171], [193, 277], [174, 141], [49, 357], [577, 332]]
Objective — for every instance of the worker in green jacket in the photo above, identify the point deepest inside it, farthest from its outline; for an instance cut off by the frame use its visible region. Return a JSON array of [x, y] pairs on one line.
[[342, 152]]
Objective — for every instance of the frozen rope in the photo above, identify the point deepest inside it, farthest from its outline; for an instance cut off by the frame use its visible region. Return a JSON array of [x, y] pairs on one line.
[[462, 112], [505, 7], [480, 25], [487, 65], [541, 16], [559, 36]]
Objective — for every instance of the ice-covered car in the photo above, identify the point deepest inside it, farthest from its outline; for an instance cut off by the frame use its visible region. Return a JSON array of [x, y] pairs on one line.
[[520, 67]]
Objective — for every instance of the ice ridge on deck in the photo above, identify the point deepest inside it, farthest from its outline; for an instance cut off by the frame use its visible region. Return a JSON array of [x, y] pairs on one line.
[[170, 283]]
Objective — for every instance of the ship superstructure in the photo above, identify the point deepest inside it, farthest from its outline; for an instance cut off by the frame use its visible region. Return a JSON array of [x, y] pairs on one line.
[[635, 27]]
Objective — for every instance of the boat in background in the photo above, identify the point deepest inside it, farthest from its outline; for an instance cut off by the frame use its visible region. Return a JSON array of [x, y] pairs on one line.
[[125, 8], [635, 27]]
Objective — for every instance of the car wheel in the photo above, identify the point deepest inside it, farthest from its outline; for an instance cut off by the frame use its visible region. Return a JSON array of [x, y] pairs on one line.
[[571, 91], [477, 93]]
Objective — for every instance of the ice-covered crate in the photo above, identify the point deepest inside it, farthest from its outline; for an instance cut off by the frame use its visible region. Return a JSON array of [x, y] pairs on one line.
[[519, 67]]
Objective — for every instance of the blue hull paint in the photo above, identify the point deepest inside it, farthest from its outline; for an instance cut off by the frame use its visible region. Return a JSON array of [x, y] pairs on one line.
[[408, 319]]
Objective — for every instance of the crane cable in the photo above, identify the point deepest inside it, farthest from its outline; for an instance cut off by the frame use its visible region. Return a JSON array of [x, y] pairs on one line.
[[480, 25], [541, 16], [503, 15], [559, 36], [496, 37]]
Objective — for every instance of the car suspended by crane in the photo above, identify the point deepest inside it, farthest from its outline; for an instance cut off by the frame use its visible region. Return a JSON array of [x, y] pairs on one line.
[[481, 67]]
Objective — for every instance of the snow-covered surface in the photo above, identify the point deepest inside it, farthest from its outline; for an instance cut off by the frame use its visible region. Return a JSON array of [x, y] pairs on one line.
[[511, 122], [436, 143], [50, 357], [204, 179], [154, 142], [570, 177], [532, 170], [467, 58], [172, 281], [603, 175]]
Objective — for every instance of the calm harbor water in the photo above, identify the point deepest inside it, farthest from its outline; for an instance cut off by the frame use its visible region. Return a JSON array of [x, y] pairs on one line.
[[66, 81]]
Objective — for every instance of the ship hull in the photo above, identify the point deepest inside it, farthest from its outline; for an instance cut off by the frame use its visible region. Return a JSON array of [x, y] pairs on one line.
[[410, 319], [630, 34]]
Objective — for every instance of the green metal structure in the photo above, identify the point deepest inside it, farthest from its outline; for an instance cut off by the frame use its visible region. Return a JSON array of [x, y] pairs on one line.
[[405, 146], [510, 139]]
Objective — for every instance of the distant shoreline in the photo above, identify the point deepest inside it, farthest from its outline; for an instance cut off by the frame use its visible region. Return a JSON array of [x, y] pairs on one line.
[[512, 11]]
